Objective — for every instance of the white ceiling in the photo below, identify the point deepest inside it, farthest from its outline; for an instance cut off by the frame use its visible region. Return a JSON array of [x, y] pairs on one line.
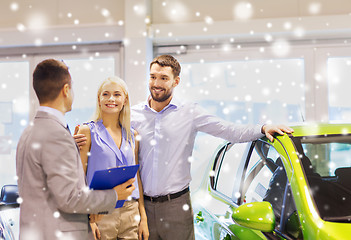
[[66, 12]]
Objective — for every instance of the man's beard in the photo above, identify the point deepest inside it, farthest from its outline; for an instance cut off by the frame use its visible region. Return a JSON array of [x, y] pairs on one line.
[[162, 98]]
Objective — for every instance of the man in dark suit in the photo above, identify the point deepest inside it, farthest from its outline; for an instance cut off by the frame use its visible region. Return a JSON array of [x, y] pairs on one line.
[[55, 199]]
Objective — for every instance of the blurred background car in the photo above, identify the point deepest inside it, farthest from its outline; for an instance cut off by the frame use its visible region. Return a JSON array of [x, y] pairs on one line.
[[298, 187], [9, 212]]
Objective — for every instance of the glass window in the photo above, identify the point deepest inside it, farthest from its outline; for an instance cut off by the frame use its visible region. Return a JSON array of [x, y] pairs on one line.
[[263, 164], [227, 174], [329, 178], [339, 72], [252, 91], [257, 181], [328, 155], [87, 74], [14, 108]]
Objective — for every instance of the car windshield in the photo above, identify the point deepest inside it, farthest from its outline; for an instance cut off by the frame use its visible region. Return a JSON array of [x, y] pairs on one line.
[[326, 161]]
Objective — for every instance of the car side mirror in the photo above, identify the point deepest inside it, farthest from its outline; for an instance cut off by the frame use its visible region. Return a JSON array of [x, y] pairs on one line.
[[255, 215], [8, 196]]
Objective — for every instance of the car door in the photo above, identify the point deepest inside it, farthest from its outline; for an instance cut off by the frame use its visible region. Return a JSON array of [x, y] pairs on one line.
[[243, 173], [224, 183], [211, 209]]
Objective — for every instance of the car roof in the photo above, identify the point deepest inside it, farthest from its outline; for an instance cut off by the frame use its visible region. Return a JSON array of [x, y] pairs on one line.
[[314, 129]]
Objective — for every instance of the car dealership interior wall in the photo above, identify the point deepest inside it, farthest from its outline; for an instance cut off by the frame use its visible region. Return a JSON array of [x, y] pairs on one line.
[[245, 61]]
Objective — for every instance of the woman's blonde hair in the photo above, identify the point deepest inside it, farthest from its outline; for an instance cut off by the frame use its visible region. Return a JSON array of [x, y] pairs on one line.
[[124, 115]]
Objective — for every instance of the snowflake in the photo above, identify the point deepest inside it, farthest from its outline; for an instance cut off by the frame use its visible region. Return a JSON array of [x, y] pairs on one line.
[[243, 10], [19, 200], [186, 207], [314, 8], [56, 214], [36, 146], [137, 218]]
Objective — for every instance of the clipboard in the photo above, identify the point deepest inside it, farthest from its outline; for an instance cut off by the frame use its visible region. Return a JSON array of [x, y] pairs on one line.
[[111, 177]]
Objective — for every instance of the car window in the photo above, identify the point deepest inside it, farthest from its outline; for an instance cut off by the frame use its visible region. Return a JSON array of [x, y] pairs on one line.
[[257, 178], [327, 165], [227, 170]]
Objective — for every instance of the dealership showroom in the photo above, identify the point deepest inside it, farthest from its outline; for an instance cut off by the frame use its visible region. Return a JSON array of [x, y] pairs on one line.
[[248, 62]]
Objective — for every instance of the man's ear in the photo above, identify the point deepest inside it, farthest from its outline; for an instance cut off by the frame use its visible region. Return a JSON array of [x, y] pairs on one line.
[[66, 90], [176, 81]]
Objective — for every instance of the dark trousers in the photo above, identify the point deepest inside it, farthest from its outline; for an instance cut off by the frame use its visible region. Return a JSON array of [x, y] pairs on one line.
[[170, 220]]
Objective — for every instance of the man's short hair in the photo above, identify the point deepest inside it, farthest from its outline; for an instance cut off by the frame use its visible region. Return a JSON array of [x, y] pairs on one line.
[[167, 61], [49, 77]]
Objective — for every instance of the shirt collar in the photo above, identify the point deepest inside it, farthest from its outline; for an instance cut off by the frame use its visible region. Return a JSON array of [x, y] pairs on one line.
[[55, 112], [174, 102]]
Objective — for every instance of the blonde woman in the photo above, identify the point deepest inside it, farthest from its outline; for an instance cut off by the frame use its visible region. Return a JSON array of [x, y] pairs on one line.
[[110, 143]]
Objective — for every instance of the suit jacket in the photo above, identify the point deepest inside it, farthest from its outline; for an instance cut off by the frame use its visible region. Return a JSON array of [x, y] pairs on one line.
[[51, 181]]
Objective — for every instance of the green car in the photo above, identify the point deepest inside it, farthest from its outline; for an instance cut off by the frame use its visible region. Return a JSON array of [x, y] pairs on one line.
[[298, 187]]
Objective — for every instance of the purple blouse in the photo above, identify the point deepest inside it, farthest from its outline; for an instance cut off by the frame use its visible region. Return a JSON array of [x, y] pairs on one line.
[[104, 152]]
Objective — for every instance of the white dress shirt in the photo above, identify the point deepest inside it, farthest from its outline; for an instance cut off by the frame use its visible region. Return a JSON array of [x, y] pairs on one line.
[[167, 141], [55, 112]]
